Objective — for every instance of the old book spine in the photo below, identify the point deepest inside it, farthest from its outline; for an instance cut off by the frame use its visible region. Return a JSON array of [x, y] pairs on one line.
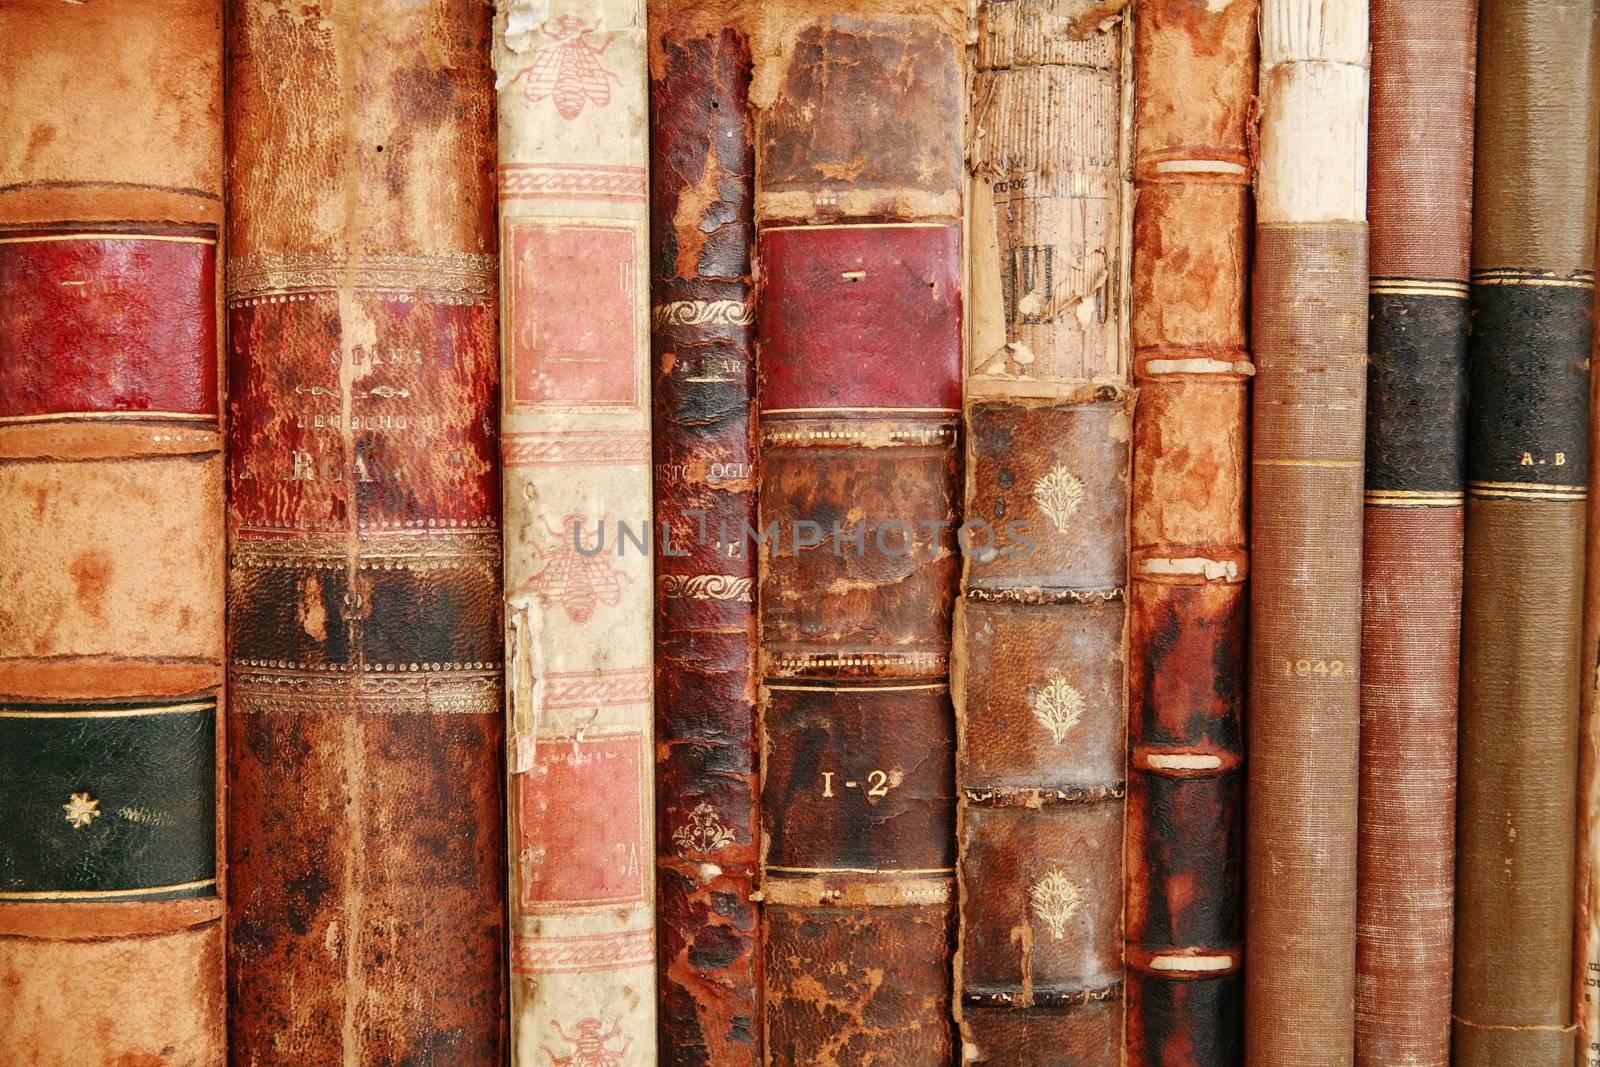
[[366, 841], [1527, 476], [1419, 207], [575, 436], [111, 527], [1188, 561], [858, 209], [1586, 972], [1309, 325], [1039, 678], [703, 334]]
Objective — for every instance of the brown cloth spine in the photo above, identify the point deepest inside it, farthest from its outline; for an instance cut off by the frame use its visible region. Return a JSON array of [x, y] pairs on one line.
[[701, 231], [1586, 972], [366, 835], [1527, 480], [858, 209], [1309, 326], [1039, 676], [1188, 560], [1419, 208], [111, 532]]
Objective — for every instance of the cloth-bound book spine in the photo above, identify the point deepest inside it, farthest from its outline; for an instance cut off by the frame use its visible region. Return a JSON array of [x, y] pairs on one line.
[[1309, 327]]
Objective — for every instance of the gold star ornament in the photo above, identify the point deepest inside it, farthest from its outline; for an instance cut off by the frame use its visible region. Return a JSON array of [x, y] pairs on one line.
[[81, 810]]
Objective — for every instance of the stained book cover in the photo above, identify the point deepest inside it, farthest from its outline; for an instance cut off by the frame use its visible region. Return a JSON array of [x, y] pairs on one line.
[[111, 528], [366, 833], [1189, 561], [574, 419], [1039, 671], [858, 207]]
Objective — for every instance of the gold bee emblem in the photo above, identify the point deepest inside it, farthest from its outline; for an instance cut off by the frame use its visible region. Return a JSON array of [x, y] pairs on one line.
[[81, 810], [1055, 898]]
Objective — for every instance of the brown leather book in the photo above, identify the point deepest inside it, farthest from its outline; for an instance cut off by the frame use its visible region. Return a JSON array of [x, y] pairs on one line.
[[707, 831], [858, 220], [111, 532], [1039, 675], [1419, 206], [365, 838], [1527, 476], [1188, 561], [1309, 327], [1586, 971]]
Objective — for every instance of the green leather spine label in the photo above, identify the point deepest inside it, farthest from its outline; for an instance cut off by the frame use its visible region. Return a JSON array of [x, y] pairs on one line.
[[108, 801]]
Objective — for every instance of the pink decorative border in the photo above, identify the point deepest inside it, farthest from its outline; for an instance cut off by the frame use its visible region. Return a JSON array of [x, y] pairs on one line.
[[571, 181]]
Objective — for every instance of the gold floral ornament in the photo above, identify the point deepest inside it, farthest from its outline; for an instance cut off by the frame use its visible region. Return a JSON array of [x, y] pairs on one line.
[[1058, 495], [1055, 899], [1057, 706], [704, 832], [81, 810]]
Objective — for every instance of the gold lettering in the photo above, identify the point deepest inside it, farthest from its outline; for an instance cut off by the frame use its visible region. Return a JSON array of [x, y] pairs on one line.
[[827, 783], [1527, 459]]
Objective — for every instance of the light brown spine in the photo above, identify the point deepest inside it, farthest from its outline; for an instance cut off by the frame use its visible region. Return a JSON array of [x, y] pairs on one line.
[[1188, 604], [1310, 333]]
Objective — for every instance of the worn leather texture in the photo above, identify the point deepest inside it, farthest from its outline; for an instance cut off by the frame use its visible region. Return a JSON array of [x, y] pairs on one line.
[[707, 829], [1527, 471], [859, 335], [1188, 558], [1039, 663], [575, 420], [1419, 209], [1309, 330], [111, 526], [365, 664]]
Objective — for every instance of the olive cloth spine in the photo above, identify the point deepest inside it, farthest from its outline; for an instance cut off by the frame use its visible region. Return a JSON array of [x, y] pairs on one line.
[[1419, 210], [705, 493], [1528, 468], [1309, 326], [1188, 556], [1039, 673]]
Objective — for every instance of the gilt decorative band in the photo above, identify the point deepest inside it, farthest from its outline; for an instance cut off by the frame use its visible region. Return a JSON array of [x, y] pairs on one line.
[[706, 587], [703, 313], [443, 277]]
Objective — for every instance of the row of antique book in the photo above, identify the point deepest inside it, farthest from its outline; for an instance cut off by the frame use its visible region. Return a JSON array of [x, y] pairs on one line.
[[932, 467]]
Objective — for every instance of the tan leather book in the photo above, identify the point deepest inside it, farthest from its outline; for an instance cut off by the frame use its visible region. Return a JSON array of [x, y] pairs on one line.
[[1039, 677], [1527, 479], [1189, 563], [366, 834], [1309, 327], [858, 326], [1419, 205], [575, 437], [111, 534]]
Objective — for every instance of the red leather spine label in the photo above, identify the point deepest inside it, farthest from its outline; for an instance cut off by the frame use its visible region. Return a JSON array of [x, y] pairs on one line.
[[107, 323], [861, 319]]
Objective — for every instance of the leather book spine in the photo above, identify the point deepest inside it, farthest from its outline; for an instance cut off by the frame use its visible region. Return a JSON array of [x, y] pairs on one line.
[[366, 826], [1586, 971], [1188, 557], [1309, 327], [111, 527], [1419, 206], [858, 223], [1039, 677], [1534, 188], [575, 438], [703, 340]]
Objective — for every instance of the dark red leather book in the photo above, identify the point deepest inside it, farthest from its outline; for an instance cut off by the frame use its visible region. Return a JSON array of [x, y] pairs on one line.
[[701, 230], [859, 254]]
